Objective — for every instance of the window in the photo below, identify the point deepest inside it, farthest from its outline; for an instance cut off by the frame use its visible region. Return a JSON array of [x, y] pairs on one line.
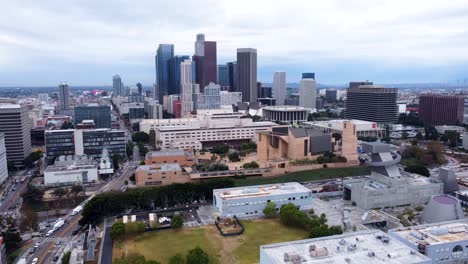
[[457, 251]]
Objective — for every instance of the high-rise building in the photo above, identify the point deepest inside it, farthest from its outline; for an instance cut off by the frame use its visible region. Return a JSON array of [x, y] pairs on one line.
[[3, 160], [438, 110], [357, 84], [199, 48], [174, 71], [140, 88], [211, 98], [232, 69], [164, 55], [331, 95], [247, 74], [230, 98], [223, 75], [117, 85], [189, 88], [100, 114], [153, 109], [372, 103], [64, 98], [307, 93], [279, 87], [210, 67], [308, 75], [168, 102], [43, 97], [16, 125]]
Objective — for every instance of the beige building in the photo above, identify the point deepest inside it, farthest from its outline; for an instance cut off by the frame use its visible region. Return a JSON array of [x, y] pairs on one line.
[[349, 142], [160, 174], [181, 157]]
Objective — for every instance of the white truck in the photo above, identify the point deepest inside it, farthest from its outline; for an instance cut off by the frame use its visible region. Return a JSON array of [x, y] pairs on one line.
[[58, 224], [77, 210]]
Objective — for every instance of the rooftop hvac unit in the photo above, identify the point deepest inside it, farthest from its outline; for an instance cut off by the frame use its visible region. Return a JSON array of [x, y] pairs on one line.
[[371, 254], [292, 257], [318, 252], [351, 247]]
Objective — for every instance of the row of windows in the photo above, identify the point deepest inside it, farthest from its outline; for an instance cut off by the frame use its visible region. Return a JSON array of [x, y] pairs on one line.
[[267, 201]]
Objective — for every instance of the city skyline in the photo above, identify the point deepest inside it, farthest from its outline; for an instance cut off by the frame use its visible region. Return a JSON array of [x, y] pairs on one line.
[[395, 42]]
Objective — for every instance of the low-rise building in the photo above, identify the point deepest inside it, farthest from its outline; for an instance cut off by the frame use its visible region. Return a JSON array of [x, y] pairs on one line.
[[368, 246], [444, 242], [443, 129], [68, 170], [286, 113], [250, 201], [465, 140], [363, 128], [160, 174], [181, 157]]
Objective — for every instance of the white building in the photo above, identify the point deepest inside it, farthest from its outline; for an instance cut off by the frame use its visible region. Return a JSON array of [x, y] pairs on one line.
[[3, 160], [307, 93], [223, 113], [444, 242], [363, 128], [279, 87], [368, 246], [285, 113], [183, 133], [189, 89], [168, 102], [43, 97], [249, 201], [210, 98], [68, 170], [153, 108], [230, 98], [443, 129], [465, 140]]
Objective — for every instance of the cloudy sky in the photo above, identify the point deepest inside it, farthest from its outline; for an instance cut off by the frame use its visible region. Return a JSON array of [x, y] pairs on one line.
[[85, 42]]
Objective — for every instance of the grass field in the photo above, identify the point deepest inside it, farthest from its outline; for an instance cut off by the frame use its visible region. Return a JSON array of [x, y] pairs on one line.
[[243, 249], [302, 176]]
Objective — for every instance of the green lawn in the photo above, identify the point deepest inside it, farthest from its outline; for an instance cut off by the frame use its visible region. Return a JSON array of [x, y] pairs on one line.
[[301, 176]]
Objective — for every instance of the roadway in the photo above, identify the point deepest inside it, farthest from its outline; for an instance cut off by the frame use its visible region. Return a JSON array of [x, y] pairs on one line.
[[11, 204]]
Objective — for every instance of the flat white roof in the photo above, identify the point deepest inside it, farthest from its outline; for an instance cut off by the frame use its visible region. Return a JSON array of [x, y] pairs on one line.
[[160, 167], [286, 108], [9, 106], [260, 190], [347, 248]]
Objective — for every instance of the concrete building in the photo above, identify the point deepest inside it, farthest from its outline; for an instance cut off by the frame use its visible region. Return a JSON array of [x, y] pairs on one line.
[[199, 45], [16, 125], [3, 160], [387, 186], [307, 93], [286, 113], [84, 142], [64, 98], [168, 102], [266, 101], [69, 170], [368, 246], [465, 140], [160, 174], [153, 109], [279, 87], [223, 113], [247, 74], [331, 95], [43, 97], [194, 133], [363, 128], [117, 86], [230, 98], [444, 242], [100, 114], [190, 89], [287, 143], [210, 98], [444, 128], [437, 110], [442, 208], [250, 201], [349, 142], [181, 157]]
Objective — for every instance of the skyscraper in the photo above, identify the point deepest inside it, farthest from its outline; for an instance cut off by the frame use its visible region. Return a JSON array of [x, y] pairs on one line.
[[3, 160], [308, 75], [438, 110], [100, 114], [307, 93], [199, 49], [64, 97], [210, 98], [140, 88], [223, 75], [189, 88], [205, 61], [247, 74], [164, 54], [372, 103], [279, 87], [174, 72], [232, 68], [357, 84], [16, 125], [117, 85]]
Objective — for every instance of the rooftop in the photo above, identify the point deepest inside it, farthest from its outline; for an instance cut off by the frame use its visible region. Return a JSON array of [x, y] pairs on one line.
[[369, 246], [160, 167], [9, 106], [286, 108], [169, 153], [260, 190], [436, 233]]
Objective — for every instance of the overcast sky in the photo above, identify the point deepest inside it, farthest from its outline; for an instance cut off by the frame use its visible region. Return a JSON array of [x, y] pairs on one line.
[[85, 42]]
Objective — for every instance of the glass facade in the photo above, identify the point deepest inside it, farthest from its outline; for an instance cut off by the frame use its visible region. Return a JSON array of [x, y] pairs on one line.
[[100, 114], [223, 75], [59, 143], [174, 72], [164, 55], [95, 140]]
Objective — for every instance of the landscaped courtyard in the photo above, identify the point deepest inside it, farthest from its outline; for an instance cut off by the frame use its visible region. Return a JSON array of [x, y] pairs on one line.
[[241, 249]]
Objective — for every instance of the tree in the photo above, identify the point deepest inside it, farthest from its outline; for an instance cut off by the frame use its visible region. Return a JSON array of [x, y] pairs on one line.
[[419, 136], [59, 192], [66, 257], [12, 239], [404, 135], [129, 148], [418, 169], [234, 157], [117, 230], [116, 160], [67, 125], [431, 133], [167, 115], [152, 138], [177, 221], [32, 194], [270, 210], [31, 158], [220, 149], [28, 220], [132, 178], [140, 137], [197, 256], [76, 189], [10, 165], [177, 259], [250, 165]]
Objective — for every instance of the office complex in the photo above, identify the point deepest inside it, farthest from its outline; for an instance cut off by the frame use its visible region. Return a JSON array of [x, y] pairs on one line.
[[368, 246], [164, 55], [199, 45], [247, 74], [117, 86], [232, 69], [3, 160], [284, 143], [84, 142], [190, 90], [153, 109], [160, 174], [175, 73], [135, 97], [372, 103], [169, 101], [307, 93], [181, 157], [69, 170], [100, 114], [195, 133], [210, 98], [444, 242], [15, 124], [438, 110], [64, 98], [223, 75], [206, 62], [285, 113], [230, 98], [331, 95], [363, 128], [279, 87], [250, 201]]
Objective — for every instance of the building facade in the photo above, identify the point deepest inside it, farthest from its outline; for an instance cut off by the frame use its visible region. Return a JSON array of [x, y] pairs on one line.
[[3, 160], [70, 170], [232, 68], [247, 74], [250, 201], [230, 98], [160, 174], [164, 55], [64, 98], [189, 88], [307, 93], [285, 114], [331, 95], [153, 109], [223, 75], [15, 124], [363, 128], [181, 157], [100, 114], [279, 87], [175, 73], [117, 86], [210, 98], [437, 110]]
